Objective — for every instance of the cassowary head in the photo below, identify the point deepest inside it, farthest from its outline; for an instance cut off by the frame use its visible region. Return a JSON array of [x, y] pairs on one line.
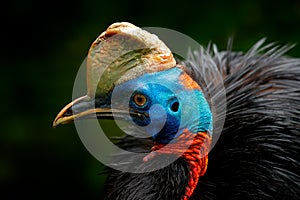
[[132, 76]]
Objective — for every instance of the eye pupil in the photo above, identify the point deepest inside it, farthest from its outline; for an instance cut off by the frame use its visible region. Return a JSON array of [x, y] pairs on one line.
[[175, 106], [139, 99]]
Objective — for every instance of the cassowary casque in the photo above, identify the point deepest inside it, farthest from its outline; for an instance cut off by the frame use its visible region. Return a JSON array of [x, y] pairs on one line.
[[257, 155]]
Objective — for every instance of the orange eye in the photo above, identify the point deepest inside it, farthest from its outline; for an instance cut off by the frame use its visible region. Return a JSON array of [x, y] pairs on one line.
[[139, 99]]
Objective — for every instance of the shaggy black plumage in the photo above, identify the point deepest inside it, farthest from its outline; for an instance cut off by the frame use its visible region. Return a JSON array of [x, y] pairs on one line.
[[258, 153]]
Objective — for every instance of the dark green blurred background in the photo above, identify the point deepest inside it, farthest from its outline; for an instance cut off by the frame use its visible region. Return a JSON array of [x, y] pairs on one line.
[[43, 45]]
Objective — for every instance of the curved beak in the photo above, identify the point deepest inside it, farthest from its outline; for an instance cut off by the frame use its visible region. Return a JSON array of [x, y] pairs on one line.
[[86, 107], [83, 107]]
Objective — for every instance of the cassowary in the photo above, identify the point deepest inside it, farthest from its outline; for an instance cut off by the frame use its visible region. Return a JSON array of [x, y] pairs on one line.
[[257, 155]]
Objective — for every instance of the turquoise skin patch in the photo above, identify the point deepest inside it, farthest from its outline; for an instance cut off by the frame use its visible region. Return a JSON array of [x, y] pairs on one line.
[[170, 107]]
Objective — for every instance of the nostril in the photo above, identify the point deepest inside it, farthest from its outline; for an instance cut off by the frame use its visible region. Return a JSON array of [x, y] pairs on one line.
[[175, 106], [69, 112]]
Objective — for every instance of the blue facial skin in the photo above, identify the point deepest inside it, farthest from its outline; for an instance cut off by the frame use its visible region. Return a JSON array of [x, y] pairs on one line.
[[170, 107]]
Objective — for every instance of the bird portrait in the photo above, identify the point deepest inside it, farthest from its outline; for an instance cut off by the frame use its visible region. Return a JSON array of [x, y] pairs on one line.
[[215, 125]]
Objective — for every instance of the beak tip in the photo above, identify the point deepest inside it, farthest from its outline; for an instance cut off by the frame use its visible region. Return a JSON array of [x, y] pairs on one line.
[[62, 120], [55, 123]]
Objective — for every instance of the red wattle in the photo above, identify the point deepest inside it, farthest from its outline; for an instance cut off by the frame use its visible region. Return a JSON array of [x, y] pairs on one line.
[[194, 149]]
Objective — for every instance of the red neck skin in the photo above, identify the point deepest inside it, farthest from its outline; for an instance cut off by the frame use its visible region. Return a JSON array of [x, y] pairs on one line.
[[196, 155]]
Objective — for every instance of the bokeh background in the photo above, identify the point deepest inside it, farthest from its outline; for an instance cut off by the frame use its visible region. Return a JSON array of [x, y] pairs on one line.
[[42, 46]]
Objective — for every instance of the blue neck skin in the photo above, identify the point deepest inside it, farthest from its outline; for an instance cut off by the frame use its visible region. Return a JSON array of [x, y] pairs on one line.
[[172, 106]]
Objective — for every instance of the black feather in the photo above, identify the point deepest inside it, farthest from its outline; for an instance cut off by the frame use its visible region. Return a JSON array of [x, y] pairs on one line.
[[258, 153], [157, 184]]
